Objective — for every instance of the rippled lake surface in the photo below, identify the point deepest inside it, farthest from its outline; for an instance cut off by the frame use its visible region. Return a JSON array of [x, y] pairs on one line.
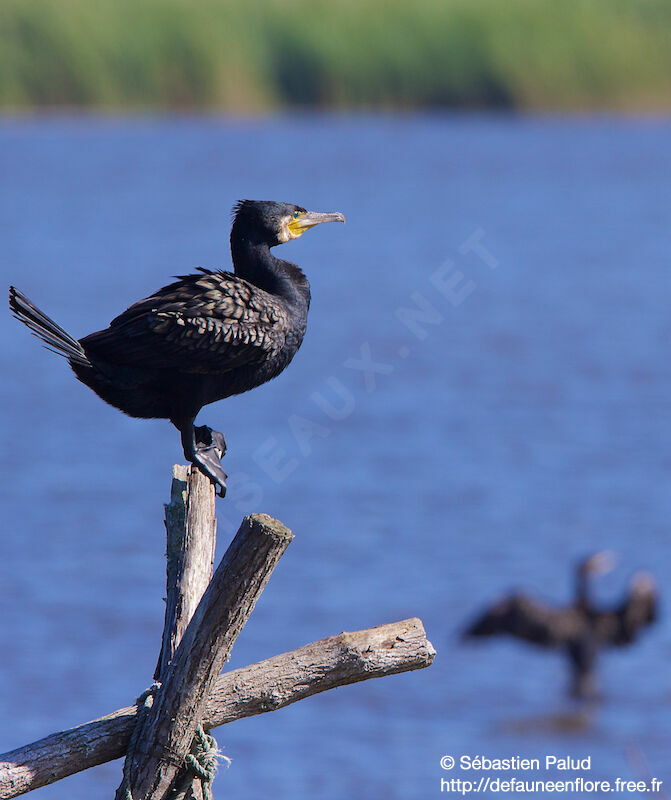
[[497, 439]]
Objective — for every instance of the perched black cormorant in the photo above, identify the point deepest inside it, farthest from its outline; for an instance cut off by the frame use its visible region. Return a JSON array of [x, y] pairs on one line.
[[580, 630], [205, 337]]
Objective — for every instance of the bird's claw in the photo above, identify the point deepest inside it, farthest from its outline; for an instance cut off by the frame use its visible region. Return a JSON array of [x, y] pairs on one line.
[[210, 449], [206, 439], [208, 463]]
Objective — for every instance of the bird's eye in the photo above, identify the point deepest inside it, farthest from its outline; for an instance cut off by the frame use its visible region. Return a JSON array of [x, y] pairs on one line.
[[297, 214]]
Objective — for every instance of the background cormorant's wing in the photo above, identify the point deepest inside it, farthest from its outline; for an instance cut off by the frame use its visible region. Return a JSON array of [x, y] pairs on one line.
[[211, 322], [621, 625], [525, 618]]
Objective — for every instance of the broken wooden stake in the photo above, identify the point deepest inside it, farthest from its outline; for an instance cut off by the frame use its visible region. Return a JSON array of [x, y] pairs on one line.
[[191, 533]]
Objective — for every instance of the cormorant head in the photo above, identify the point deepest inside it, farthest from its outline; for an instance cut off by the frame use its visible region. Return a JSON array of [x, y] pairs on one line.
[[643, 601], [642, 584], [598, 563], [275, 223]]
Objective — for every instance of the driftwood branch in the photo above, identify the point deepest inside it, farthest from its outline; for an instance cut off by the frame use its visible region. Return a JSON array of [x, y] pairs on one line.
[[169, 726], [266, 686], [191, 529]]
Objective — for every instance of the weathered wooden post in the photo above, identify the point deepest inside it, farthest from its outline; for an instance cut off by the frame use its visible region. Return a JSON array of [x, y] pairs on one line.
[[204, 616]]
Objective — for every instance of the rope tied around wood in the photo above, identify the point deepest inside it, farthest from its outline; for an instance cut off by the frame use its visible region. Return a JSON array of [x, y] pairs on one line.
[[144, 702], [200, 764]]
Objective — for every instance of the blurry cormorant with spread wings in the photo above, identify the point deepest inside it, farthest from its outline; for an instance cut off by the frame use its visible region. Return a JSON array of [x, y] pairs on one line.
[[580, 630], [203, 338]]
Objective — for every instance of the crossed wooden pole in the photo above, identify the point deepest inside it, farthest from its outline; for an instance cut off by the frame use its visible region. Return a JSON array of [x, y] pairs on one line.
[[204, 615]]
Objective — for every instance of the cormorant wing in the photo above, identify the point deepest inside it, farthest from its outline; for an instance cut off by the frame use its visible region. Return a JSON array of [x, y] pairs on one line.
[[207, 323], [527, 619], [638, 608]]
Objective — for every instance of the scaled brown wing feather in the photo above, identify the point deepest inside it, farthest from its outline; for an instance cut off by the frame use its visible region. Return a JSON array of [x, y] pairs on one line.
[[208, 323]]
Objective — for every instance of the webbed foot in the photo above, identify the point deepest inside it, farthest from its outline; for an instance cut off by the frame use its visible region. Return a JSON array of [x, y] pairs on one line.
[[210, 449], [205, 448], [208, 463], [206, 438]]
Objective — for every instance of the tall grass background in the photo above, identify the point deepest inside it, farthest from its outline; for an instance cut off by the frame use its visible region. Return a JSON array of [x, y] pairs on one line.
[[244, 56]]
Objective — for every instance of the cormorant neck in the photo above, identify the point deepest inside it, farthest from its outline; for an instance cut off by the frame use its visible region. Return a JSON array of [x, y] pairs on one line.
[[253, 261], [582, 599]]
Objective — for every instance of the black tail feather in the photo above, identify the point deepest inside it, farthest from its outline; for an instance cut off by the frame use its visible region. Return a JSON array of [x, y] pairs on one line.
[[53, 336]]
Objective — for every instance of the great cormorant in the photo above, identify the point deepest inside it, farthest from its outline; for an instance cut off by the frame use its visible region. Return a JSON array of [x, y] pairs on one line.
[[580, 630], [205, 337]]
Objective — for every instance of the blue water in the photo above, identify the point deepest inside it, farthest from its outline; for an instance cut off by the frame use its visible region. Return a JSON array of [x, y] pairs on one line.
[[522, 423]]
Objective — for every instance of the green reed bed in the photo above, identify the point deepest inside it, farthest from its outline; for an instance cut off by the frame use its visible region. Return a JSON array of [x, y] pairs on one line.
[[241, 55]]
